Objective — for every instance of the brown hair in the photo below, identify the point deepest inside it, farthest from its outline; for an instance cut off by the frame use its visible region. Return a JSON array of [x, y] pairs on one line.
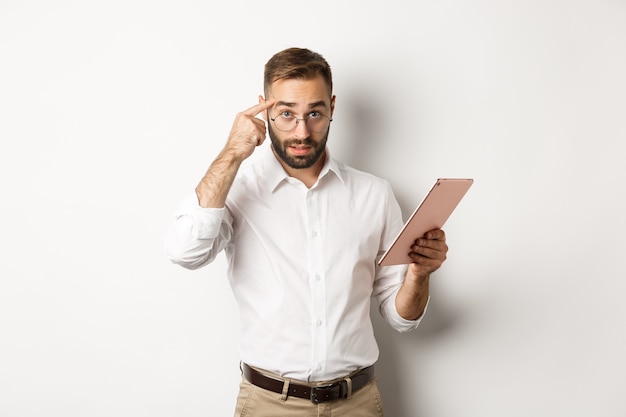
[[296, 63]]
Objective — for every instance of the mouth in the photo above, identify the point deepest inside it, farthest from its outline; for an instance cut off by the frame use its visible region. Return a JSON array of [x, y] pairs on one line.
[[299, 150]]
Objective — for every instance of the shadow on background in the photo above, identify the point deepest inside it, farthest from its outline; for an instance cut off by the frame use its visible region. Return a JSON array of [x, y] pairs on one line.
[[399, 399], [362, 144]]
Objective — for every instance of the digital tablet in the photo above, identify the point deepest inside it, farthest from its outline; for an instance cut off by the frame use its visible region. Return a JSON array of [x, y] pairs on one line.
[[431, 214]]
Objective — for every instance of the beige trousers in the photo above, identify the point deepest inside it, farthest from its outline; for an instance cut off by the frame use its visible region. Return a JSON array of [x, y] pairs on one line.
[[253, 401]]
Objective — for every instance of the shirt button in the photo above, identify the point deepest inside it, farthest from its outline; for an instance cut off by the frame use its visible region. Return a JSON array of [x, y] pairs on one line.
[[319, 323], [317, 278], [314, 234]]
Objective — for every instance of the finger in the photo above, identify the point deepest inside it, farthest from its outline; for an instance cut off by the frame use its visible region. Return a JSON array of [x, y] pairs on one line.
[[436, 234], [258, 108], [430, 252], [427, 263], [430, 243]]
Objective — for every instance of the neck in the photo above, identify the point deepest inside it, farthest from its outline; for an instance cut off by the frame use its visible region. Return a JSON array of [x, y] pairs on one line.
[[308, 176]]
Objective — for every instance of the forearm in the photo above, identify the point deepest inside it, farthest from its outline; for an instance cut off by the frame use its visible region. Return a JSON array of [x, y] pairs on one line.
[[214, 186], [247, 133], [412, 297]]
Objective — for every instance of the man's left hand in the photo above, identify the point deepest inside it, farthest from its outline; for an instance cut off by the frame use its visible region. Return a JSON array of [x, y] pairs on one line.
[[427, 254]]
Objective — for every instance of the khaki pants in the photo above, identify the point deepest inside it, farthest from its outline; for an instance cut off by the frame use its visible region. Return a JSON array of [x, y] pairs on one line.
[[258, 402]]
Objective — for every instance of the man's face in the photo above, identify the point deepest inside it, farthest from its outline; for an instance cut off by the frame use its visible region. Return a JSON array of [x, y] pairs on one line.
[[300, 147]]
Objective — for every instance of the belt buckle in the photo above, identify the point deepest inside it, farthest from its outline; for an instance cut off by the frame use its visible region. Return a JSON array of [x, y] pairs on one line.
[[325, 393]]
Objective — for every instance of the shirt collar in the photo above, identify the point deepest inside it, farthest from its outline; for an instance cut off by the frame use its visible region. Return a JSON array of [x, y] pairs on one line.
[[275, 174]]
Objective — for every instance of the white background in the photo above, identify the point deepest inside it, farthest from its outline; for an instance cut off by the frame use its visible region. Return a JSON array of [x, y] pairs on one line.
[[110, 112]]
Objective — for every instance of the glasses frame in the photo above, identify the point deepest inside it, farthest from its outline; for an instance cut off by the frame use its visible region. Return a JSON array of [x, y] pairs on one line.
[[306, 119]]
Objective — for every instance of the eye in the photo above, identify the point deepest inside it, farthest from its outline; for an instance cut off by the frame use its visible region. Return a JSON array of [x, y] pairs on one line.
[[286, 114], [314, 114]]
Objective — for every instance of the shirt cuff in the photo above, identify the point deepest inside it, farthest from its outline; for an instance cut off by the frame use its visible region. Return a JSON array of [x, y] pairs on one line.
[[403, 325], [205, 222]]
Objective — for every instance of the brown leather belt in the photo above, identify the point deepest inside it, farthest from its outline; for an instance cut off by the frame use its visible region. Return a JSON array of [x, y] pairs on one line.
[[318, 393]]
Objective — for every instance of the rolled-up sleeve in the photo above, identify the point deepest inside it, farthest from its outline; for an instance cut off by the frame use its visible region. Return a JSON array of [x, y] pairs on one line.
[[388, 284], [398, 322], [196, 234]]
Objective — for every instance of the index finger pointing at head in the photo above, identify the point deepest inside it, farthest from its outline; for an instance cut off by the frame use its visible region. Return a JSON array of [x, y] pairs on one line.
[[258, 108]]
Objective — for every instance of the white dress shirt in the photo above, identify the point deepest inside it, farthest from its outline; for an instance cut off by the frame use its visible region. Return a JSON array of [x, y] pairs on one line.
[[301, 264]]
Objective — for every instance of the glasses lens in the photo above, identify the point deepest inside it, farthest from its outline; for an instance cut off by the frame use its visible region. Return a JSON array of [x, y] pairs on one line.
[[285, 123], [317, 123]]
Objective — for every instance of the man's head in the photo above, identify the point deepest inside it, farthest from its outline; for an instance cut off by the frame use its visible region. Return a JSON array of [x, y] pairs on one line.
[[300, 83], [297, 63]]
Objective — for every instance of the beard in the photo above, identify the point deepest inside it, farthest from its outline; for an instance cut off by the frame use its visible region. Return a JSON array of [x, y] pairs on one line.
[[297, 161]]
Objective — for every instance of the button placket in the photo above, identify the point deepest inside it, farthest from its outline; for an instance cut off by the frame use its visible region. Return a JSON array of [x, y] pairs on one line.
[[317, 285]]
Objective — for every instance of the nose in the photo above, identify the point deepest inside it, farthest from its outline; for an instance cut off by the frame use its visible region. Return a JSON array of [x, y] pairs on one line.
[[301, 129]]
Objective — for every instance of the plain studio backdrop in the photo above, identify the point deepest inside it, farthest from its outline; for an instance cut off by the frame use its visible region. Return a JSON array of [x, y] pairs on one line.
[[110, 112]]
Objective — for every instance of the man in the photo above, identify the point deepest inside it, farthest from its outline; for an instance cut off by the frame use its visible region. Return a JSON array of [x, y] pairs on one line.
[[302, 233]]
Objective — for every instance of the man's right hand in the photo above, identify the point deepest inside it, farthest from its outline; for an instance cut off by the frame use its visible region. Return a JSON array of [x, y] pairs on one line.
[[248, 131]]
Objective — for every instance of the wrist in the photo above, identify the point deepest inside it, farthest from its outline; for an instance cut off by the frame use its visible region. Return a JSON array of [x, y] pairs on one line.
[[231, 156], [417, 276]]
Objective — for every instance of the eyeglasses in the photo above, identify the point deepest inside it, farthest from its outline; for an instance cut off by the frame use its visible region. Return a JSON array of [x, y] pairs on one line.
[[316, 122]]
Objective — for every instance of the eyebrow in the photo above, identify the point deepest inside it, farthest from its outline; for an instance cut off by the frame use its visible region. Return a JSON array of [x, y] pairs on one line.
[[320, 103]]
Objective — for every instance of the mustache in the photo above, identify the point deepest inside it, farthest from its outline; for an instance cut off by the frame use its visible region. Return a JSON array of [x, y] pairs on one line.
[[296, 142]]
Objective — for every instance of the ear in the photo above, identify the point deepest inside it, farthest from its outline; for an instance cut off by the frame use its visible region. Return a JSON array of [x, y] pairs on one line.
[[332, 106], [263, 113]]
